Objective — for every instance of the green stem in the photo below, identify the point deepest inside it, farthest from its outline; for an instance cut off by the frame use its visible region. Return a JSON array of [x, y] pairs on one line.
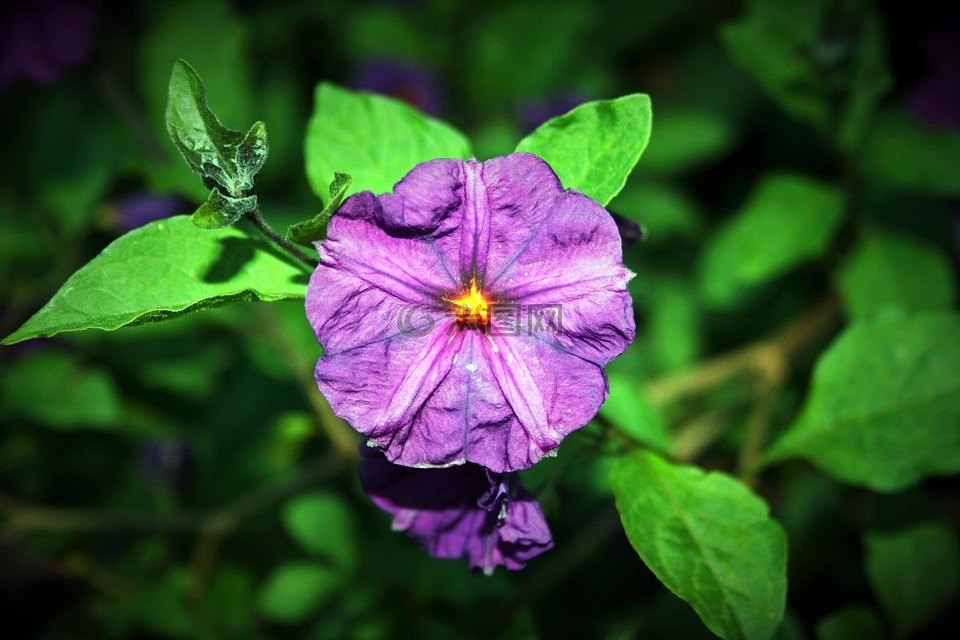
[[257, 219]]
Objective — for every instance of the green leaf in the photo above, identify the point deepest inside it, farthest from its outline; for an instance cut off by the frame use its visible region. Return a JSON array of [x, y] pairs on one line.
[[594, 147], [628, 409], [891, 270], [322, 524], [296, 589], [709, 540], [787, 220], [685, 138], [54, 390], [884, 409], [853, 623], [163, 270], [375, 139], [226, 159], [309, 231], [915, 573], [772, 43], [664, 211], [252, 153], [673, 330], [212, 37], [823, 62], [903, 153], [220, 211]]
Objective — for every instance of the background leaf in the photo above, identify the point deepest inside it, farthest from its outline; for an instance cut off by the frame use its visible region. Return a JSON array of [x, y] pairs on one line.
[[708, 539], [854, 623], [594, 148], [296, 589], [322, 524], [888, 270], [374, 139], [884, 408], [787, 220], [915, 572], [933, 154], [633, 414], [53, 389], [162, 270], [685, 138], [665, 211]]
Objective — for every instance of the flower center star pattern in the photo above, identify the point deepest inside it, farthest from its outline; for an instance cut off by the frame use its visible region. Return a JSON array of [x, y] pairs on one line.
[[463, 240]]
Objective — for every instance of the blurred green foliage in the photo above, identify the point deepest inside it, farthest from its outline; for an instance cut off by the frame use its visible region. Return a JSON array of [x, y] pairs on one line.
[[795, 296]]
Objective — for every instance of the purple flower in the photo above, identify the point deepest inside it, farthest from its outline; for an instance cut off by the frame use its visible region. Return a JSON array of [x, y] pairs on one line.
[[41, 40], [406, 82], [140, 208], [457, 512], [474, 244]]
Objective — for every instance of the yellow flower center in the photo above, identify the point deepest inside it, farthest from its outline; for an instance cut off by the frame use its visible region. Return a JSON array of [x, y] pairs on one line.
[[471, 306]]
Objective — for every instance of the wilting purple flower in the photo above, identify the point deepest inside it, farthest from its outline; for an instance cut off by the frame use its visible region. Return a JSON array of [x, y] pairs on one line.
[[406, 82], [472, 243], [458, 512], [138, 209], [40, 40]]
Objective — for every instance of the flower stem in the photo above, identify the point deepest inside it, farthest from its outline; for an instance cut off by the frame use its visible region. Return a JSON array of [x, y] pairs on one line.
[[257, 219]]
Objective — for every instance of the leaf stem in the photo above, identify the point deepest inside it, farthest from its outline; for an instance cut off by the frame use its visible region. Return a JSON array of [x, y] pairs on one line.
[[767, 361], [257, 219]]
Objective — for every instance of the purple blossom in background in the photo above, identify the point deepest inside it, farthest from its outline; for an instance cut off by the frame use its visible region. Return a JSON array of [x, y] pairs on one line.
[[534, 112], [458, 512], [936, 100], [461, 239], [406, 82], [143, 207], [166, 464], [41, 40]]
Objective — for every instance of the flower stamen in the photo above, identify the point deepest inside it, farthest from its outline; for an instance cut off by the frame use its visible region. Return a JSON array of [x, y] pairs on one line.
[[471, 306]]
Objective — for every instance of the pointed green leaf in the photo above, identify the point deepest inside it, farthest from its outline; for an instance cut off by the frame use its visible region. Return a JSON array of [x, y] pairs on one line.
[[914, 572], [884, 408], [309, 231], [788, 219], [709, 540], [375, 139], [208, 147], [163, 270], [220, 211], [594, 147], [890, 270]]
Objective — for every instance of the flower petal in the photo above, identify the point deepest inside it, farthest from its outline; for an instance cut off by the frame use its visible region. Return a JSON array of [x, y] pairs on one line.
[[365, 239], [574, 265], [440, 510], [381, 386]]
